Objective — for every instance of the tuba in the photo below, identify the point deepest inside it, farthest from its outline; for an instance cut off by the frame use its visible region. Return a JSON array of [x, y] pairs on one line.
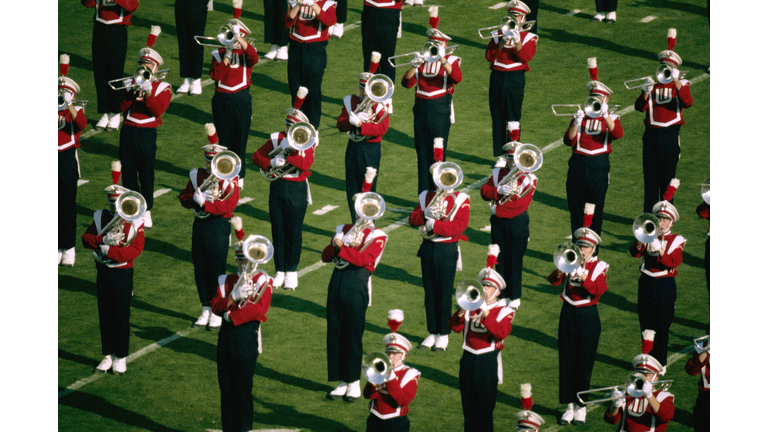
[[129, 207], [527, 158], [300, 136], [224, 166], [378, 89], [377, 368], [705, 192], [258, 250], [447, 176], [632, 387], [646, 228], [369, 206], [429, 52], [470, 295], [567, 257], [225, 37], [141, 75]]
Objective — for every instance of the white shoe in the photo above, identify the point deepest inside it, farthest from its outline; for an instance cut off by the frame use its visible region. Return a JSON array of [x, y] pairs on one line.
[[279, 280], [353, 392], [205, 316], [291, 281], [441, 344], [418, 2], [338, 30], [60, 255], [196, 88], [501, 162], [184, 87], [580, 416], [409, 2], [68, 258], [429, 342], [147, 219], [114, 122], [241, 183], [102, 123], [272, 52], [598, 17], [611, 17], [282, 54], [390, 107], [105, 364], [338, 392], [567, 415], [119, 366], [215, 322]]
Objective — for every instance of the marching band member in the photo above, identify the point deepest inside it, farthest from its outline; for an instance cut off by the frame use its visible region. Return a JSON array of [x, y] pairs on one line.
[[606, 10], [365, 130], [579, 330], [509, 59], [509, 219], [275, 32], [309, 22], [645, 409], [699, 364], [484, 331], [527, 420], [442, 216], [108, 49], [433, 109], [239, 343], [703, 211], [390, 400], [657, 290], [590, 136], [379, 24], [190, 17], [72, 122], [114, 253], [663, 105], [143, 107], [288, 196], [355, 250], [210, 230], [232, 109]]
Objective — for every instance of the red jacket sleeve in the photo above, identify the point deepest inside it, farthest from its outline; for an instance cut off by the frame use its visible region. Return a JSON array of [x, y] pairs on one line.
[[402, 395], [342, 122], [91, 239], [637, 249], [684, 95], [130, 252], [219, 70], [456, 321], [666, 410], [408, 82], [303, 163], [88, 3], [455, 227], [612, 419], [261, 156], [185, 197], [329, 253], [327, 17], [251, 56], [370, 392], [489, 192], [493, 51], [417, 217], [365, 257], [703, 210], [375, 130], [618, 129], [455, 74], [219, 207], [672, 259], [499, 329], [694, 365], [128, 5], [249, 312], [566, 139], [597, 287], [554, 279], [528, 50], [158, 103], [641, 103]]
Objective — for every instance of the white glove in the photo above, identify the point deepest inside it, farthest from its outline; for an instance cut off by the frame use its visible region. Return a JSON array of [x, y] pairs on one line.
[[484, 306], [579, 116], [113, 238], [208, 196], [675, 74], [441, 51], [146, 87], [199, 197], [648, 86], [68, 98], [579, 272], [103, 250], [293, 3], [309, 2], [515, 36], [354, 120], [236, 29], [348, 238], [604, 109], [363, 117], [239, 294], [277, 161], [506, 189], [417, 60], [654, 246], [430, 225], [648, 389], [229, 48], [128, 82], [617, 396]]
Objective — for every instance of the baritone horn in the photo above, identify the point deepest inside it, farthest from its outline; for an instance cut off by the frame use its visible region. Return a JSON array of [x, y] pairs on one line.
[[369, 206], [429, 52], [705, 191], [567, 257], [527, 159], [141, 75], [257, 250], [377, 368], [129, 207], [470, 295], [646, 228], [225, 37], [507, 25], [632, 387], [378, 89], [447, 176], [301, 136], [225, 166]]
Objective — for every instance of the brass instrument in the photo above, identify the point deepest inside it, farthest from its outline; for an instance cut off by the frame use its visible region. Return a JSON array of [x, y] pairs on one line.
[[378, 89], [470, 295], [567, 257], [141, 75], [705, 192], [591, 107], [225, 37], [663, 73], [632, 387], [63, 104], [527, 159], [224, 166], [301, 136], [446, 176], [377, 368], [257, 250], [429, 52], [646, 228], [129, 207], [369, 206], [507, 25], [702, 343]]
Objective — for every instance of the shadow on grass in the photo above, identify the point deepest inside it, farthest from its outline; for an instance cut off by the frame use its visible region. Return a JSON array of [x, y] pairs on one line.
[[287, 416], [87, 361], [678, 6], [94, 404]]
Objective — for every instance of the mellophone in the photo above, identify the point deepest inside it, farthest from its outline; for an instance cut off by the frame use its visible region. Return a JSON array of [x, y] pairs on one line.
[[301, 136], [369, 206], [225, 166], [257, 250]]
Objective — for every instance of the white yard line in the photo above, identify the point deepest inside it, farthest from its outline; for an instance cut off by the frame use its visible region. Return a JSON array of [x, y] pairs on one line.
[[648, 19], [572, 12], [325, 209]]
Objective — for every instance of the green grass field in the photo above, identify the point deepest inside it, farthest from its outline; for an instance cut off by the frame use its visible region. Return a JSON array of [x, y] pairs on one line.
[[175, 388]]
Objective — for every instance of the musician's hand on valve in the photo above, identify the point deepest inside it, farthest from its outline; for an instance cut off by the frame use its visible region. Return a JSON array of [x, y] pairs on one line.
[[654, 246], [618, 397], [648, 389], [441, 51], [506, 189], [363, 117], [103, 250], [354, 120], [208, 196], [309, 2], [199, 197], [348, 238], [293, 3], [430, 225], [515, 36], [277, 161], [113, 238], [146, 87], [579, 116], [337, 242]]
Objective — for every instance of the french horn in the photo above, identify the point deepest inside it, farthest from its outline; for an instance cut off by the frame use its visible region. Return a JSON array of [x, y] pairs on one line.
[[301, 136]]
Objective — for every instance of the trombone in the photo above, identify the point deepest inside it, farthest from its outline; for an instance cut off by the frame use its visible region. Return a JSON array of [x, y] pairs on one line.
[[369, 206], [129, 207], [663, 73], [470, 295], [429, 52], [446, 176], [62, 103], [527, 158], [378, 89], [225, 37], [257, 250], [224, 166], [377, 368], [567, 257], [632, 387], [701, 344], [141, 75], [507, 25], [591, 107], [300, 136]]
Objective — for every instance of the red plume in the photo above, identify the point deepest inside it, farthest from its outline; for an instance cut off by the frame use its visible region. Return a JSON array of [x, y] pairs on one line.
[[648, 336], [438, 149], [237, 6], [154, 32], [63, 64], [671, 189], [513, 128], [116, 166], [592, 66], [526, 397], [493, 253], [589, 212], [671, 38]]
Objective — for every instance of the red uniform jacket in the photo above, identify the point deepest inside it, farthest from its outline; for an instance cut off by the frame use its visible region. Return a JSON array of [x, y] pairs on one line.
[[119, 256], [432, 81], [658, 266], [391, 399], [586, 292], [251, 311], [665, 104], [694, 366], [514, 206], [483, 334], [450, 228], [593, 137], [308, 27], [69, 130], [235, 76], [639, 418], [218, 207], [145, 110], [301, 160], [372, 132], [503, 57], [117, 12], [367, 254]]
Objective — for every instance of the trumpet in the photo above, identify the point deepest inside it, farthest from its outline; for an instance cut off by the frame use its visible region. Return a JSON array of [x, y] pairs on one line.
[[591, 107], [632, 387], [369, 206], [129, 207], [63, 103], [702, 344], [567, 257], [300, 136], [141, 75], [527, 158], [224, 166], [446, 176], [377, 368], [663, 73], [429, 52], [506, 27], [646, 228], [225, 37], [378, 89], [705, 191], [258, 250], [470, 295]]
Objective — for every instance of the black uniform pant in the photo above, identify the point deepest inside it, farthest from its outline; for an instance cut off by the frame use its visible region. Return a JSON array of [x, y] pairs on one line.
[[358, 158], [438, 271], [379, 29], [69, 173], [306, 67], [210, 245], [706, 261], [232, 114], [114, 288], [274, 31], [287, 207], [661, 152], [578, 335], [431, 119], [345, 316], [587, 182], [190, 17], [236, 354], [341, 11], [108, 49], [701, 421], [533, 5], [606, 5], [656, 299], [478, 382], [395, 424], [138, 148], [512, 237], [505, 97]]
